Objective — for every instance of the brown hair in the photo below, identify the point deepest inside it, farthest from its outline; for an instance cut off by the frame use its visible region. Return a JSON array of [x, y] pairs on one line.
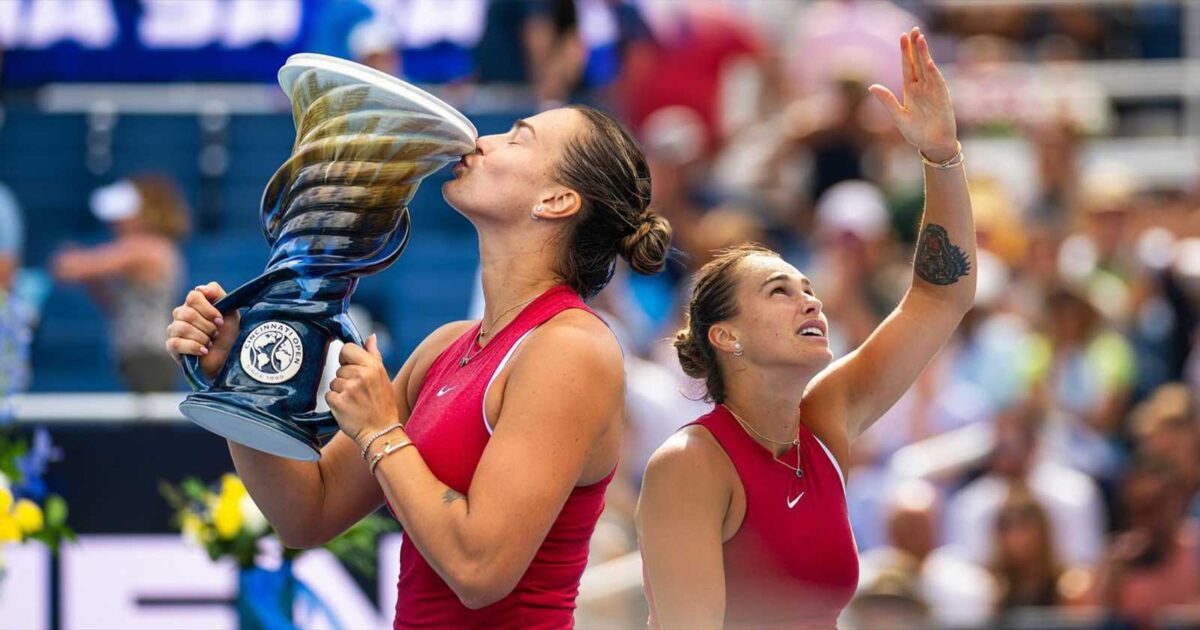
[[713, 301], [1018, 585], [163, 210], [605, 165]]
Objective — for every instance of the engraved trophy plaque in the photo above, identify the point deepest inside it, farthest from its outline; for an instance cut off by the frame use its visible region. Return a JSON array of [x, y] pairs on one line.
[[335, 211]]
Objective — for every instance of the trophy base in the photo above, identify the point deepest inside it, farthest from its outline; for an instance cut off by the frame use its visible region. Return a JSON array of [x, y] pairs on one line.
[[251, 427]]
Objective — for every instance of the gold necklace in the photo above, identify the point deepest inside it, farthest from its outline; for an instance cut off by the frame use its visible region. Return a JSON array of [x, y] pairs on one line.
[[467, 356], [795, 442]]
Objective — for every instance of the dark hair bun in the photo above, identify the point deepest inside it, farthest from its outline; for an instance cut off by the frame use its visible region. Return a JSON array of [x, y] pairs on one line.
[[647, 248], [692, 357]]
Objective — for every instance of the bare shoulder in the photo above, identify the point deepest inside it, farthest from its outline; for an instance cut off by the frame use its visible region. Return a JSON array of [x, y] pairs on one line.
[[691, 461], [576, 340], [689, 482]]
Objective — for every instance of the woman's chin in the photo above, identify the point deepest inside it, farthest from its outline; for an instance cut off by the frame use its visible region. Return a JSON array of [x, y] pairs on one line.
[[452, 193]]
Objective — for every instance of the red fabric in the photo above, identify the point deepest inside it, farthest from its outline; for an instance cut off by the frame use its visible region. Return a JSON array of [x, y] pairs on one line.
[[785, 567], [450, 434], [686, 71]]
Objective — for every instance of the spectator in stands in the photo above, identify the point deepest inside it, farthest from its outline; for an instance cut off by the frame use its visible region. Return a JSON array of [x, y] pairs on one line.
[[1164, 427], [957, 593], [1155, 562], [853, 253], [836, 39], [705, 54], [890, 600], [12, 238], [1092, 370], [15, 317], [535, 43], [373, 44], [1024, 561], [136, 277], [1071, 499]]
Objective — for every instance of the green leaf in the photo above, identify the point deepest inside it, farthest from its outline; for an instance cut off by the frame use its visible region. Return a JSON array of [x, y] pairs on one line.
[[55, 512]]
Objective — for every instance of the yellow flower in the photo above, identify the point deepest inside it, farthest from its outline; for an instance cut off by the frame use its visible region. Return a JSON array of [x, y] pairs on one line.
[[28, 516], [227, 517], [6, 500], [9, 530], [232, 488], [191, 525]]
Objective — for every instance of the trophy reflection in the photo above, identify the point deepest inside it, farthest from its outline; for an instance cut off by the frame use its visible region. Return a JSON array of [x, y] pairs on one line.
[[335, 211]]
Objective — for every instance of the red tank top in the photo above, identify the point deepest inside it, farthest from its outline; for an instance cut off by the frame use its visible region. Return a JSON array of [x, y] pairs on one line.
[[447, 425], [793, 563]]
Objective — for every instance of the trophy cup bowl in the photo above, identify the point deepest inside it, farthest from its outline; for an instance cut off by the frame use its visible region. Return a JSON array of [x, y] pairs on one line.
[[335, 211]]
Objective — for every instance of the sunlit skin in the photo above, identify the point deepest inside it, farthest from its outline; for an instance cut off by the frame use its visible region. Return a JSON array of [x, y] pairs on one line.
[[775, 303], [510, 174], [556, 407], [775, 378]]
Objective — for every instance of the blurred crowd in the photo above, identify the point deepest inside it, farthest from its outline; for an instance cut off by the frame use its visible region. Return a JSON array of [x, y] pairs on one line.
[[1044, 471]]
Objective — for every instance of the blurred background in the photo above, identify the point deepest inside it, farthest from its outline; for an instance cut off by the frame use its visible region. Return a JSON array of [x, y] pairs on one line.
[[1042, 473]]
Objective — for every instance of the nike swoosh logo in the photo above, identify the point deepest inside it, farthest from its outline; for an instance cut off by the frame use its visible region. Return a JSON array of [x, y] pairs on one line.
[[444, 390], [792, 502]]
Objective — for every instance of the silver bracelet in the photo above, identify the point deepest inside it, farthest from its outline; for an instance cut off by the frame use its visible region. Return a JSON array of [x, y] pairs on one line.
[[953, 162], [378, 434]]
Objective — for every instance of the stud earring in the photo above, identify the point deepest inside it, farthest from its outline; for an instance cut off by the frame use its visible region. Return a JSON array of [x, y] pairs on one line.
[[536, 211], [737, 349]]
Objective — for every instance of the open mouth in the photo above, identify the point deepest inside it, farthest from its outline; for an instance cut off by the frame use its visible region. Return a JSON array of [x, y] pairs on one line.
[[812, 328]]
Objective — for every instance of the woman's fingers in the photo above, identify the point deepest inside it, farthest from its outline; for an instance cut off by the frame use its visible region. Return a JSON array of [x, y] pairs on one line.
[[917, 54], [337, 385], [212, 291], [199, 301], [906, 66], [191, 316], [179, 329], [179, 346], [887, 99]]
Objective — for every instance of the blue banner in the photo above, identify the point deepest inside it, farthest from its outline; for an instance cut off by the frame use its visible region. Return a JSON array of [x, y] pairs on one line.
[[166, 40]]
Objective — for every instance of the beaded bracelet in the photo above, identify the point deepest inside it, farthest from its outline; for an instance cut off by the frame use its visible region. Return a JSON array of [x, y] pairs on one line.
[[378, 434], [957, 160], [388, 449]]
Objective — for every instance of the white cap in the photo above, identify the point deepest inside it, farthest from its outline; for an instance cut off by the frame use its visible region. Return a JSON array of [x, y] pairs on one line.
[[370, 37], [853, 206], [116, 202]]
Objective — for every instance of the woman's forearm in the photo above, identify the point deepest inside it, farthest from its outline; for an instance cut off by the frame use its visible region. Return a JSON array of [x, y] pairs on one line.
[[945, 261], [288, 492]]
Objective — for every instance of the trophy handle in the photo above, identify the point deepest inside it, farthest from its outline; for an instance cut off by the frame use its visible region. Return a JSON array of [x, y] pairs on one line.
[[323, 421], [232, 301]]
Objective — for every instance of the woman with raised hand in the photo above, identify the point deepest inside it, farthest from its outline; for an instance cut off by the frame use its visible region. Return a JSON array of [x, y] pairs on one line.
[[494, 444], [742, 518]]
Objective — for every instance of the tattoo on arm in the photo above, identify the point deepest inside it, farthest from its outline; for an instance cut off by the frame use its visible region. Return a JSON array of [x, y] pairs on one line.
[[939, 261], [451, 495]]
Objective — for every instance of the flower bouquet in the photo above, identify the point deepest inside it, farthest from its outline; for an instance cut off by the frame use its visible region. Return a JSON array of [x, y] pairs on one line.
[[224, 520], [27, 510]]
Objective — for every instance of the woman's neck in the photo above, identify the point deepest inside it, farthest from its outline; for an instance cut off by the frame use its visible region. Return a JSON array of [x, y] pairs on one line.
[[513, 272], [768, 403]]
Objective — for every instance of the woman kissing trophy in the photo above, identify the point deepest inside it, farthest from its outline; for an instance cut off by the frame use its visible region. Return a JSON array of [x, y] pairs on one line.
[[335, 211]]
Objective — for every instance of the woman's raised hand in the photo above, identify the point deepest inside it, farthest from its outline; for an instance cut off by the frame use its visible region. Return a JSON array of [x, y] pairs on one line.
[[199, 329], [925, 117]]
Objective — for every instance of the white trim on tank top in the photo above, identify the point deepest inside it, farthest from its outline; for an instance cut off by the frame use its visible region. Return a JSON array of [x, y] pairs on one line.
[[836, 466], [487, 425]]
